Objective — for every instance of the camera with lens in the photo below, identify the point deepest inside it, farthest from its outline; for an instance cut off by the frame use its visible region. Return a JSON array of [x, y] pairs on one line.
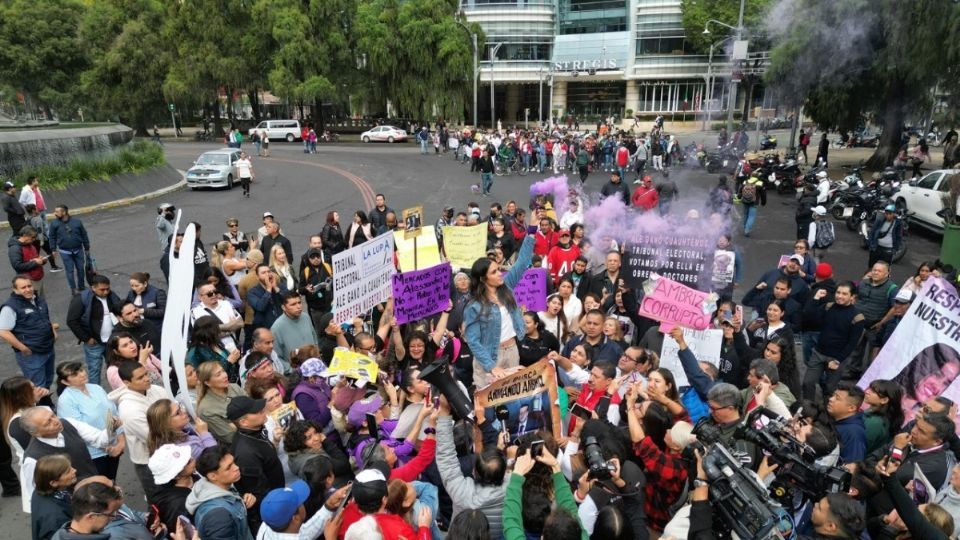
[[597, 467]]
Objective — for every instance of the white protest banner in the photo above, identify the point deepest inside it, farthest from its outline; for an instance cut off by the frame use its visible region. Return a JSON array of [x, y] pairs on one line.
[[361, 277], [923, 353], [704, 344]]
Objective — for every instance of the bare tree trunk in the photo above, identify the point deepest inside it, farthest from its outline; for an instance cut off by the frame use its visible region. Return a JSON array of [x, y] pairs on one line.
[[254, 104], [893, 117], [230, 113], [318, 111]]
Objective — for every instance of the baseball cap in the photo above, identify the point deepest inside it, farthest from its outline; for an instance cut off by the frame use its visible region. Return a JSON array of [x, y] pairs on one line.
[[564, 232], [904, 296], [241, 406], [822, 174], [314, 251], [267, 214], [280, 505], [798, 258], [890, 208], [313, 367], [824, 270], [819, 210], [360, 409], [8, 185], [369, 487], [167, 462]]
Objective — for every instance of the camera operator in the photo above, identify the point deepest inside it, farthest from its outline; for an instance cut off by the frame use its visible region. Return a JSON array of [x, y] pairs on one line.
[[611, 479], [926, 521], [836, 515], [725, 403]]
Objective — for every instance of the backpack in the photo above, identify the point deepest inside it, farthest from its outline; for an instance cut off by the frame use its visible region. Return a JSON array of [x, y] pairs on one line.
[[825, 234], [748, 194]]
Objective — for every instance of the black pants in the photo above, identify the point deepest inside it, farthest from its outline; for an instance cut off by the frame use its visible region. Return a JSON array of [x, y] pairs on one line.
[[8, 478], [146, 480], [107, 466], [584, 171], [245, 184]]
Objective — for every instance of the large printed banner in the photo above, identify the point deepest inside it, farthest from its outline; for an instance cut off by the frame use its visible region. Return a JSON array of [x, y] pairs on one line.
[[674, 304], [428, 252], [923, 353], [684, 258], [421, 293], [704, 344], [531, 290], [464, 245], [530, 395], [361, 277]]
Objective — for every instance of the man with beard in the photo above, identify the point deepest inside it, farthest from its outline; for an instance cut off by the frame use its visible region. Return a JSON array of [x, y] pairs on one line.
[[130, 322], [582, 280]]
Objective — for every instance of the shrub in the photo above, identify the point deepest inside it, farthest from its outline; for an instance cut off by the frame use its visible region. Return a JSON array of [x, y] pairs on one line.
[[135, 157]]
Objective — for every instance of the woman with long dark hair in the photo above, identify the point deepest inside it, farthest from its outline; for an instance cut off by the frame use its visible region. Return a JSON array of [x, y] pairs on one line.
[[205, 346], [491, 337], [915, 283], [150, 301], [123, 347], [359, 231], [554, 319], [884, 415], [332, 235], [662, 389], [538, 342]]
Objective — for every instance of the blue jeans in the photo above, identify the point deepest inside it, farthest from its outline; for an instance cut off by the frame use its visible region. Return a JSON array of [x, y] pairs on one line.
[[526, 160], [810, 340], [541, 162], [423, 146], [749, 216], [93, 354], [486, 182], [73, 268], [38, 367]]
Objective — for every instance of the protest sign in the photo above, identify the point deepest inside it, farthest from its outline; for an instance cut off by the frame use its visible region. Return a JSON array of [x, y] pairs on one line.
[[285, 414], [723, 267], [533, 388], [704, 344], [464, 245], [421, 293], [680, 257], [353, 365], [531, 291], [412, 222], [361, 277], [428, 252], [176, 319], [784, 259], [675, 304], [923, 353]]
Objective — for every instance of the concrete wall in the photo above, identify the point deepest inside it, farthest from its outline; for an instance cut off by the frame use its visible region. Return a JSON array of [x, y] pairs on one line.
[[30, 148]]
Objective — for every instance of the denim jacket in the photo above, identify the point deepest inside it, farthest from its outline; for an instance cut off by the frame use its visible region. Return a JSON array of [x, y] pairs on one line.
[[482, 330]]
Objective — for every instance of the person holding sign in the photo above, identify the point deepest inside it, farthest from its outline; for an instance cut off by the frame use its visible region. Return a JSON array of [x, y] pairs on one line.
[[492, 319]]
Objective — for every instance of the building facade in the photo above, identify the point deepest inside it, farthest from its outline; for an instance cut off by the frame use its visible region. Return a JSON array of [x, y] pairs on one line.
[[590, 59]]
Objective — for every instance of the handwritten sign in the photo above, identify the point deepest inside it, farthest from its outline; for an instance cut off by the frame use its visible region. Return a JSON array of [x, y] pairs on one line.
[[421, 293], [353, 365], [675, 304], [361, 277], [531, 291], [684, 258], [704, 344], [412, 222], [464, 245], [428, 252]]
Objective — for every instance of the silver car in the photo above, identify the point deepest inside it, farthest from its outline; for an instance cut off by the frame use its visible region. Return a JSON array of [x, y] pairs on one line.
[[216, 168]]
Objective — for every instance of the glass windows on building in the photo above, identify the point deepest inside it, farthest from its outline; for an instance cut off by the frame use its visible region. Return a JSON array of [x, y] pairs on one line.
[[669, 43], [592, 16], [664, 96], [518, 47], [593, 100]]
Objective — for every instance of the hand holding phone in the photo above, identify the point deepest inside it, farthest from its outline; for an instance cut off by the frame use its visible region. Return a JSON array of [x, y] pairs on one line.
[[188, 529], [580, 411]]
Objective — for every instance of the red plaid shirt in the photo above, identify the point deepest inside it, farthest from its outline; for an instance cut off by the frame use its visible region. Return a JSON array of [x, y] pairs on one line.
[[666, 475]]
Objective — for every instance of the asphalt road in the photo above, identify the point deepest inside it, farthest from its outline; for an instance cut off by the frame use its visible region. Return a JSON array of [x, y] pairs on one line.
[[300, 189]]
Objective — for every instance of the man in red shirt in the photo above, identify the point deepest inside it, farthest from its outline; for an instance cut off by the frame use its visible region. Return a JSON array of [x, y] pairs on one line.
[[562, 256], [546, 238], [645, 197], [369, 499], [600, 394]]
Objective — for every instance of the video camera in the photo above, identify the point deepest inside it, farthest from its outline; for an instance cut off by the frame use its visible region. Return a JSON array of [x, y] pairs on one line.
[[598, 468], [798, 471]]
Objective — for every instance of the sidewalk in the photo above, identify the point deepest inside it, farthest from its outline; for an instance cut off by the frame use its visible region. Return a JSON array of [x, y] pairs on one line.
[[121, 190]]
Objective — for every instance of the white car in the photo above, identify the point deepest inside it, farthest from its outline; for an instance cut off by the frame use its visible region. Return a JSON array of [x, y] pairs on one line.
[[924, 198], [216, 168], [279, 130], [384, 133]]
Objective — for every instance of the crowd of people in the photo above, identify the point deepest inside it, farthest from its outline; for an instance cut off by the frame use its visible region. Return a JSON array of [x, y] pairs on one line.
[[261, 439]]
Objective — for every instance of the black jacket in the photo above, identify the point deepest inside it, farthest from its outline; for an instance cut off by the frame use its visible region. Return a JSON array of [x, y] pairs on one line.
[[267, 243], [813, 324], [144, 332], [86, 327], [584, 286], [260, 469], [16, 215], [332, 237], [170, 500], [48, 513]]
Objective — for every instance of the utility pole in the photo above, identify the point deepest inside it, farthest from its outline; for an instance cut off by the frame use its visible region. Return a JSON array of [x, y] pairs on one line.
[[493, 108], [733, 82]]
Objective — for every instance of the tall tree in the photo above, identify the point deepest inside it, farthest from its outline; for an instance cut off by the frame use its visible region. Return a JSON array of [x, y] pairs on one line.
[[416, 55], [851, 59], [128, 61], [696, 13], [41, 54]]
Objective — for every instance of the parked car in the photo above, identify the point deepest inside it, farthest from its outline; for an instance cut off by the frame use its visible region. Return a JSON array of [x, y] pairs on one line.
[[923, 198], [279, 129], [216, 168], [384, 133]]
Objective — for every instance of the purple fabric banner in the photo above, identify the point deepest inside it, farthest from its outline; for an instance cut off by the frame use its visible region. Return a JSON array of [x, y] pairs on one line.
[[531, 291], [421, 293]]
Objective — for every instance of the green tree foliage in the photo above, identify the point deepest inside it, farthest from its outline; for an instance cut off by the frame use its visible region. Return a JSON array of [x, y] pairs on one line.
[[696, 13], [128, 61], [415, 54], [856, 59], [41, 54]]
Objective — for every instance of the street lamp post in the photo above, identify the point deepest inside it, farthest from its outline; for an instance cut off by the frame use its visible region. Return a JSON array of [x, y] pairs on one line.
[[540, 107], [733, 83], [493, 109], [476, 72]]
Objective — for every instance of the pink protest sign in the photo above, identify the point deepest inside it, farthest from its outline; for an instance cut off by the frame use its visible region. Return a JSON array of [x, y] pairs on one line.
[[674, 304]]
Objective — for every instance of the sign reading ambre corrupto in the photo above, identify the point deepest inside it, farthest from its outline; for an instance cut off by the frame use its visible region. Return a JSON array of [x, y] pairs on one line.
[[680, 257]]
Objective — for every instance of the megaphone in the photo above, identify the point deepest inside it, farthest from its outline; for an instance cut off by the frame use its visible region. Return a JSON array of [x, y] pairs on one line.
[[438, 374]]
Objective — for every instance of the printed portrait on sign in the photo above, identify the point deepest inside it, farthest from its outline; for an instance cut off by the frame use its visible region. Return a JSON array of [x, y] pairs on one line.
[[927, 376]]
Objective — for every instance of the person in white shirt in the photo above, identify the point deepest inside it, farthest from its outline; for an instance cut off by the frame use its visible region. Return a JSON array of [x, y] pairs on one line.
[[212, 304], [823, 187], [245, 171]]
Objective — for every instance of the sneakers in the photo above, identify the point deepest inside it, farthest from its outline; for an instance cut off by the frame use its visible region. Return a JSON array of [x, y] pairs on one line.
[[56, 269]]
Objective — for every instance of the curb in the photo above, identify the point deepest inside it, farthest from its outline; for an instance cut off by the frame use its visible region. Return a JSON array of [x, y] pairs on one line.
[[4, 225]]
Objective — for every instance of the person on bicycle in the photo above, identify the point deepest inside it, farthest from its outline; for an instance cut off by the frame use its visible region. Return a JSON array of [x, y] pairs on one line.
[[506, 154]]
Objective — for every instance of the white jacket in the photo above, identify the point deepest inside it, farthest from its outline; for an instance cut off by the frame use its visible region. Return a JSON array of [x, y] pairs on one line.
[[133, 411]]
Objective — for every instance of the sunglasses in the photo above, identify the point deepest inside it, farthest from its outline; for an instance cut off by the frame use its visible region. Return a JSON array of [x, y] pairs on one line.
[[208, 294]]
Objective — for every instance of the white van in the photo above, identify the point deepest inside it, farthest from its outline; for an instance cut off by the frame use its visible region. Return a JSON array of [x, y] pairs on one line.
[[279, 129]]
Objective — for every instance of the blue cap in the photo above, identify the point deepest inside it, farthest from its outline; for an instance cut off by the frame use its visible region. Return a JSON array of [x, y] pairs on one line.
[[890, 208], [280, 505]]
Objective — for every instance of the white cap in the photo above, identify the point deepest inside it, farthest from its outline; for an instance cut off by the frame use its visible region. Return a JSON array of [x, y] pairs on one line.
[[167, 462], [797, 257], [822, 174], [819, 210]]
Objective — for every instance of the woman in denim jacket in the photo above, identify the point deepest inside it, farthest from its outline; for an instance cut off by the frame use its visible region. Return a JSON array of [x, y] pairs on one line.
[[492, 340]]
